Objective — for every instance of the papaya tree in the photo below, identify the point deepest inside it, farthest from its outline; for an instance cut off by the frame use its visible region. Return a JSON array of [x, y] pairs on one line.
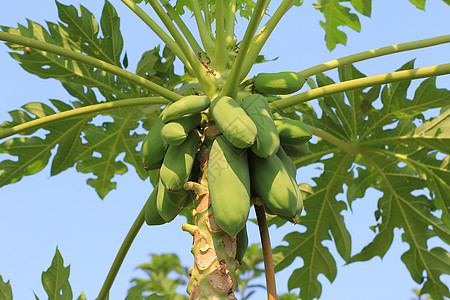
[[216, 142]]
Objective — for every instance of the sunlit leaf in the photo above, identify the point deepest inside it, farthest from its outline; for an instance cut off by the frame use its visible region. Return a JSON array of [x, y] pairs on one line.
[[56, 279], [5, 290], [394, 149], [336, 15]]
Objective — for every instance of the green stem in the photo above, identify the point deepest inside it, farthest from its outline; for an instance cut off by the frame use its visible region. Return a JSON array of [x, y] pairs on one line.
[[374, 53], [103, 295], [87, 110], [261, 38], [221, 55], [267, 252], [184, 29], [361, 83], [229, 89], [230, 18], [17, 39], [197, 67], [347, 147], [158, 31], [203, 26], [208, 21]]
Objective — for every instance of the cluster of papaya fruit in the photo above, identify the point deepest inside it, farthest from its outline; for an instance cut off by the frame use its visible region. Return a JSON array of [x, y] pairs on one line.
[[171, 146], [250, 157]]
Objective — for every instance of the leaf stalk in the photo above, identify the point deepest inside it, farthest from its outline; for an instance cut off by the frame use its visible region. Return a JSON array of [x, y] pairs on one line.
[[21, 40], [203, 26], [231, 84], [182, 26], [374, 53], [158, 31], [260, 39], [221, 56], [82, 111], [347, 147], [118, 260], [360, 83], [198, 69]]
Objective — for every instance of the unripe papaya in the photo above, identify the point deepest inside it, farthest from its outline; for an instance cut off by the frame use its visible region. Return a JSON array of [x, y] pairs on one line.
[[229, 185], [151, 214], [170, 203], [292, 132], [267, 139], [233, 122], [185, 106], [174, 133], [282, 83], [273, 184], [154, 147], [178, 162], [296, 151], [242, 244], [287, 161], [298, 210]]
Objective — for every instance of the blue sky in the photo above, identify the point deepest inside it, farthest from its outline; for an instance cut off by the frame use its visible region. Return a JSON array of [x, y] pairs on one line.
[[41, 212]]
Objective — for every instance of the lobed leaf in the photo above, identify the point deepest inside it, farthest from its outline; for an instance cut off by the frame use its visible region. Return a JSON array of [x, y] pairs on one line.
[[78, 34], [56, 279], [322, 218], [337, 15], [5, 290], [395, 149]]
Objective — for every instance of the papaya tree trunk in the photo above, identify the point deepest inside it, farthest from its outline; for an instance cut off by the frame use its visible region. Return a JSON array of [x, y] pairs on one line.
[[213, 275]]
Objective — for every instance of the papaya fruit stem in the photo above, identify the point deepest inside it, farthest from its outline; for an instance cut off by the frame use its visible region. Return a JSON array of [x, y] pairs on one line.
[[189, 228], [196, 187], [267, 252]]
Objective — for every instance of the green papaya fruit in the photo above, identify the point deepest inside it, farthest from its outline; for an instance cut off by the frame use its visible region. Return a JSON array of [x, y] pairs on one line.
[[273, 184], [154, 147], [178, 162], [233, 122], [298, 210], [296, 151], [242, 244], [292, 132], [287, 161], [229, 185], [267, 139], [170, 203], [175, 132], [282, 83], [185, 106], [151, 214]]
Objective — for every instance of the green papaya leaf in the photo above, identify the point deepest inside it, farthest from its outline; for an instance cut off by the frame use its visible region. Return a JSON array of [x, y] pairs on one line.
[[336, 15], [5, 290], [83, 30], [56, 279], [92, 148], [375, 138], [78, 34]]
